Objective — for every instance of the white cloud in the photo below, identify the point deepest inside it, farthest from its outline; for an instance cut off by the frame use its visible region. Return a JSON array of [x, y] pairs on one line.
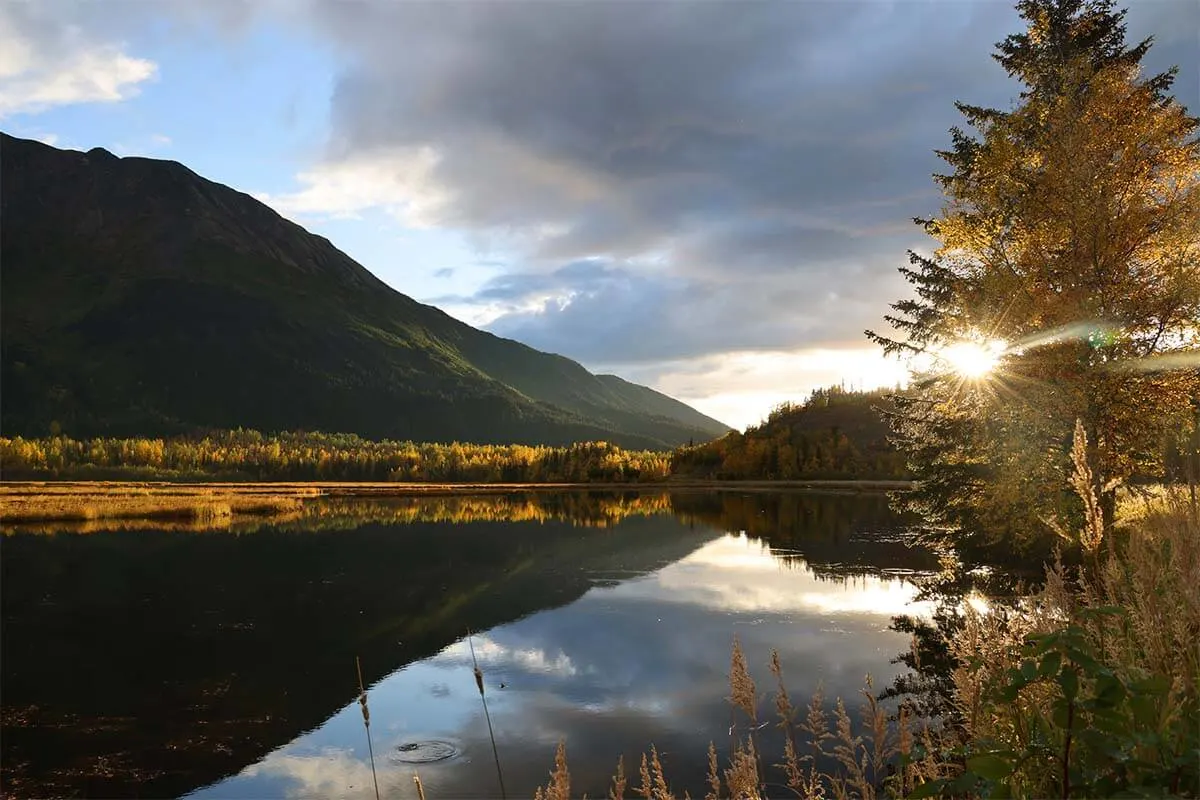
[[753, 580], [489, 651], [740, 388], [333, 772], [46, 65], [399, 181]]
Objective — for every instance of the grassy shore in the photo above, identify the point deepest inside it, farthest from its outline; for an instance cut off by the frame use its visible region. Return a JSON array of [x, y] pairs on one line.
[[83, 502], [97, 505]]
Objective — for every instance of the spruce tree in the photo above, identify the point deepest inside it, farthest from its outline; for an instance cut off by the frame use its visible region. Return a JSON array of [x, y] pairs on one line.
[[1069, 250]]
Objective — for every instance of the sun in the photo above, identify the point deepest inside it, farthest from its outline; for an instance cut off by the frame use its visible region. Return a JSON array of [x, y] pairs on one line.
[[973, 359]]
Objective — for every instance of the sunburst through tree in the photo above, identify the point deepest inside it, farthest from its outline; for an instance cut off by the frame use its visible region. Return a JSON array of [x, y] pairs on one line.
[[1065, 285]]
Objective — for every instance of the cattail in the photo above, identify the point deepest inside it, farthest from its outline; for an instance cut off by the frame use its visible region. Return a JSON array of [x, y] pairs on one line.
[[487, 716], [366, 714]]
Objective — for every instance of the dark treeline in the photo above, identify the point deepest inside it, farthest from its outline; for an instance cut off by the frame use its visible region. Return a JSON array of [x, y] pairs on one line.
[[834, 434], [249, 455]]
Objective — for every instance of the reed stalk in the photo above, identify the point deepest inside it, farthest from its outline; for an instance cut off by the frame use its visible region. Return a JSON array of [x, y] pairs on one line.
[[366, 713], [486, 715]]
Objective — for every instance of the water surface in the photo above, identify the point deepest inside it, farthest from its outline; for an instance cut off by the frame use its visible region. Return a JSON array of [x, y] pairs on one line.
[[160, 662]]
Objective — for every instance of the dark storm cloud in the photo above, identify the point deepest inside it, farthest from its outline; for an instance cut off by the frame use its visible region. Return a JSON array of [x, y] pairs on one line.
[[601, 311], [766, 156], [629, 125], [758, 161], [762, 155]]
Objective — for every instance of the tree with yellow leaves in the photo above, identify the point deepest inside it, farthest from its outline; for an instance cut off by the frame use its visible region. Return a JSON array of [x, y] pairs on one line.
[[1065, 285]]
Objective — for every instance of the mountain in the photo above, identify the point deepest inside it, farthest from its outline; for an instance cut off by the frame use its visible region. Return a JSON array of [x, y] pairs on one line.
[[141, 298], [834, 434]]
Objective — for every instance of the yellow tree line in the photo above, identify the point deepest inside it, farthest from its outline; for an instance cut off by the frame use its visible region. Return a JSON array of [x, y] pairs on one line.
[[319, 456]]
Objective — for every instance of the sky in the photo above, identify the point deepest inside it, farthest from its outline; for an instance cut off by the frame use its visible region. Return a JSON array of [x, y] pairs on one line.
[[711, 198]]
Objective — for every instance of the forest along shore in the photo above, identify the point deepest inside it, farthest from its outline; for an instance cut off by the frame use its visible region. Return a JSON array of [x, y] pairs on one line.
[[82, 501]]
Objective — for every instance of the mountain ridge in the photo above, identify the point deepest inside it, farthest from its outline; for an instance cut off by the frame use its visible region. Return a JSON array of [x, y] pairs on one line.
[[139, 297]]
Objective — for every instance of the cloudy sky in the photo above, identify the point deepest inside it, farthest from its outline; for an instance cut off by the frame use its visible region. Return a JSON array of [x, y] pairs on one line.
[[707, 197]]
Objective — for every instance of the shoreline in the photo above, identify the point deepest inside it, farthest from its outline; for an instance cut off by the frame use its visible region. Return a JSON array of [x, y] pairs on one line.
[[400, 489], [88, 501]]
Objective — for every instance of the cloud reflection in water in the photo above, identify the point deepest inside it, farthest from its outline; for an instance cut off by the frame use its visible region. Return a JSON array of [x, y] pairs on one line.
[[641, 661]]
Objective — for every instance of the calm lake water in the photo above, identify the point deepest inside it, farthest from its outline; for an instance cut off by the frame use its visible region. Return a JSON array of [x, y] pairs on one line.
[[221, 664]]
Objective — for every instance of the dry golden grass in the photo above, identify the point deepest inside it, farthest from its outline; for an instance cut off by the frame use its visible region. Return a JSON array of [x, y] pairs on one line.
[[205, 506], [242, 523], [85, 507], [618, 788], [1151, 573], [1157, 581], [559, 787], [1146, 582], [95, 506], [875, 756]]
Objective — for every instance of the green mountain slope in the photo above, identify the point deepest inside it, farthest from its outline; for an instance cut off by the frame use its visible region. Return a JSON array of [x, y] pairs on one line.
[[140, 298]]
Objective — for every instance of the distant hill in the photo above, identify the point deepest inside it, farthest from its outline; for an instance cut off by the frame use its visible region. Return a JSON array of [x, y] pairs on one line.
[[835, 434], [140, 298]]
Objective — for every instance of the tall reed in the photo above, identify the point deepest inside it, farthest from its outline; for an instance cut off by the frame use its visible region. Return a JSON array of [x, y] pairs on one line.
[[366, 715], [487, 716], [877, 756]]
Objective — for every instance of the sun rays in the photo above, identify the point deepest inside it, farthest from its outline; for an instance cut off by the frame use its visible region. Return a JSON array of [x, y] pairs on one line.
[[979, 358], [973, 359]]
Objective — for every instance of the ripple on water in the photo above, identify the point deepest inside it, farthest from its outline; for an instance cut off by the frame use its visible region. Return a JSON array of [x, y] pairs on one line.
[[423, 752]]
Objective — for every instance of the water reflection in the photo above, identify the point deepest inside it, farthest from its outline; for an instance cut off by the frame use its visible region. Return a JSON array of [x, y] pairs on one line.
[[835, 535], [181, 658]]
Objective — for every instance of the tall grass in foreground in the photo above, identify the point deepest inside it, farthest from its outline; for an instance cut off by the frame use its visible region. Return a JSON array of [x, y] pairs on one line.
[[825, 754], [1088, 688], [1092, 688]]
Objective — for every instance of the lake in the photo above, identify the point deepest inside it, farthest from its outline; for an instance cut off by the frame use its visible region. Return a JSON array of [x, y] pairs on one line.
[[167, 661]]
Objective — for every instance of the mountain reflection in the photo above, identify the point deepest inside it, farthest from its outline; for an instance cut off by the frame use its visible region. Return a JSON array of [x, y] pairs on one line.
[[153, 662]]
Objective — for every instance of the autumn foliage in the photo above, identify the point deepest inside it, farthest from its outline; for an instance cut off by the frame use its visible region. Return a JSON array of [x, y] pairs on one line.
[[249, 455]]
